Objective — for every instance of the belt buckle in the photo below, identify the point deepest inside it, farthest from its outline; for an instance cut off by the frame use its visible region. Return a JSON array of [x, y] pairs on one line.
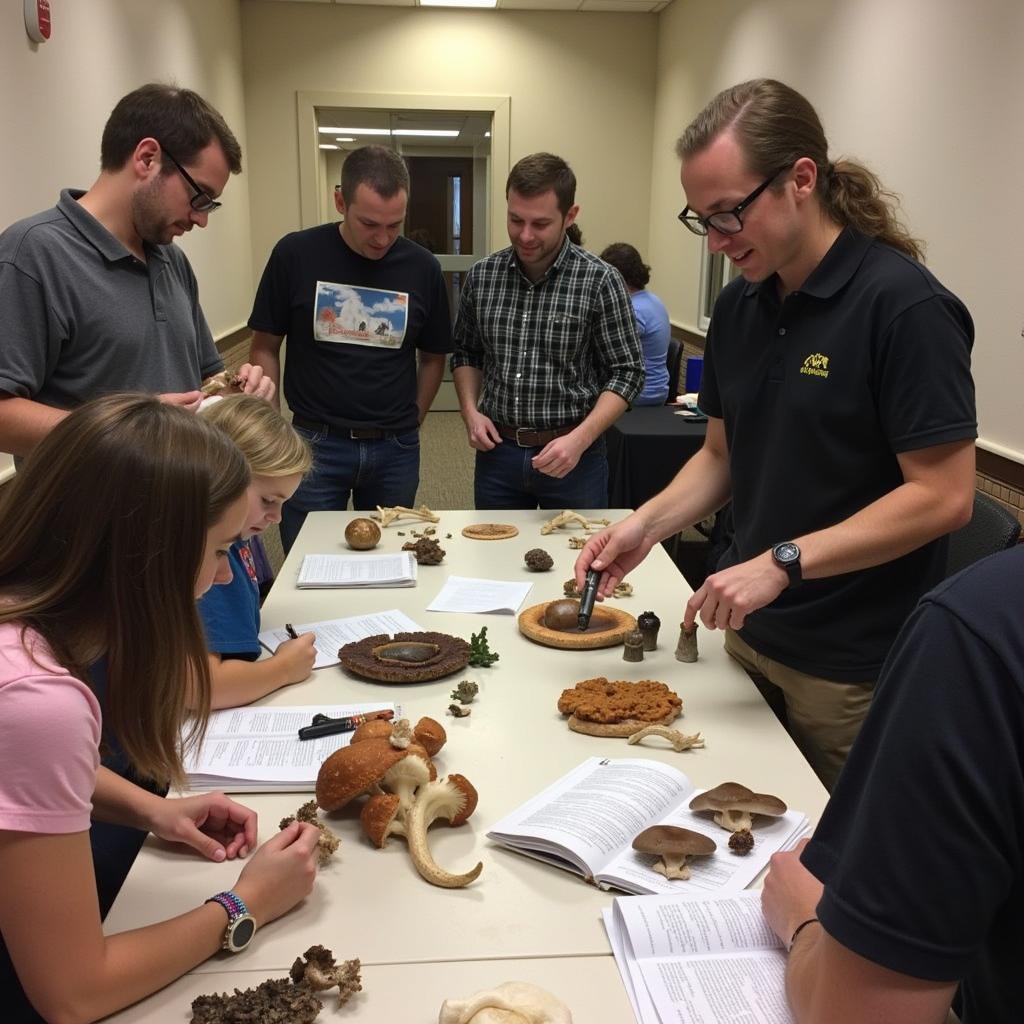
[[527, 430]]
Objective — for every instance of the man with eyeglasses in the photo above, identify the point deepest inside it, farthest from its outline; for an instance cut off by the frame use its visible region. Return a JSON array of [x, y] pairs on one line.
[[94, 297], [841, 417]]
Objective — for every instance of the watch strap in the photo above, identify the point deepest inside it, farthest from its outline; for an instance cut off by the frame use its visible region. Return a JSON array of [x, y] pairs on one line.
[[232, 903]]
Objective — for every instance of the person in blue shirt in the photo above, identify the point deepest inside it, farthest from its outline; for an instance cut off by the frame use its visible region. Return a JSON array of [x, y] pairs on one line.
[[651, 320], [278, 460]]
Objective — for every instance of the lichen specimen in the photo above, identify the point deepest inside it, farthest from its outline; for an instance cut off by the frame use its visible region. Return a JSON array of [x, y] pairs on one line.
[[465, 692], [480, 653]]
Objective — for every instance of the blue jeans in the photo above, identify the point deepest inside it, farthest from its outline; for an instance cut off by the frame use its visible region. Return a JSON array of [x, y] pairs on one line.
[[505, 478], [371, 473]]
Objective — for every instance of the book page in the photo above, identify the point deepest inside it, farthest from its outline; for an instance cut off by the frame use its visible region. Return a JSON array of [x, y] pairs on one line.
[[685, 924], [629, 969], [335, 633], [358, 570], [745, 988], [597, 809], [259, 747], [722, 871], [465, 594]]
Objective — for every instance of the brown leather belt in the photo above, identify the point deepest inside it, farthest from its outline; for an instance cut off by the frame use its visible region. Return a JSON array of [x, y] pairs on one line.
[[529, 437], [353, 433]]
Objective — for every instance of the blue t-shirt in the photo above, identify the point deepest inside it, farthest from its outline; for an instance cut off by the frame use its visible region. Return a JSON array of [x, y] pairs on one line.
[[231, 611], [655, 333]]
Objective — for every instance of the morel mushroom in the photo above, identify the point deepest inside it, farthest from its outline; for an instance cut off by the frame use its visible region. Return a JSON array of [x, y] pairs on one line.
[[674, 846], [538, 560], [735, 805]]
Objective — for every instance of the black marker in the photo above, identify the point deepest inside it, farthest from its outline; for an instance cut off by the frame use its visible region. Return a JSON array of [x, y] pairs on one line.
[[587, 599]]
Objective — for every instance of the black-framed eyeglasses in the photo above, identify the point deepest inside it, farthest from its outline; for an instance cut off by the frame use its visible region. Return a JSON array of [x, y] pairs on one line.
[[202, 201], [726, 222]]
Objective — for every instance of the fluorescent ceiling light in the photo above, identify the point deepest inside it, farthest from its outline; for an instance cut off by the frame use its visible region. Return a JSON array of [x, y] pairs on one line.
[[458, 3], [328, 145], [487, 135], [345, 138], [439, 134], [354, 131]]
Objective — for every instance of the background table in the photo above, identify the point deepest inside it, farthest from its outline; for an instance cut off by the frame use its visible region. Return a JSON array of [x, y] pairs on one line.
[[646, 447], [371, 903]]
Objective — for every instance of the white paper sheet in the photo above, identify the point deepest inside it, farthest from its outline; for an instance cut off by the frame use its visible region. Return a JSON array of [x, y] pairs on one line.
[[465, 594], [326, 571], [335, 633]]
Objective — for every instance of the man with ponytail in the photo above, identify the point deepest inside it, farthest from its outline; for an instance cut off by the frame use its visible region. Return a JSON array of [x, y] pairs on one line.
[[841, 416]]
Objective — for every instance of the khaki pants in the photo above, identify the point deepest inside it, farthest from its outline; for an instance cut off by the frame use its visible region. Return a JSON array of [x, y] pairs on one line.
[[823, 717]]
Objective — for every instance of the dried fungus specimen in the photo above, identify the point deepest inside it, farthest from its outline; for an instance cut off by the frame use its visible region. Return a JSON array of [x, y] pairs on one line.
[[514, 1002], [319, 972], [458, 711], [538, 560], [426, 550], [223, 383], [678, 741], [328, 842], [741, 842], [607, 701], [574, 520], [465, 692]]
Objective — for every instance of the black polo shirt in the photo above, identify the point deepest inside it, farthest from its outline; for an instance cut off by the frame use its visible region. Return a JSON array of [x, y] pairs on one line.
[[819, 393]]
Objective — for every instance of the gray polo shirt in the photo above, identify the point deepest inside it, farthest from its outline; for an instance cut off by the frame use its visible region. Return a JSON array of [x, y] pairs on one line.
[[80, 316]]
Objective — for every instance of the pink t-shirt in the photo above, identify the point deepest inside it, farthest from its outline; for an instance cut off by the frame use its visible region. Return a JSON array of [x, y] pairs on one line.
[[49, 738]]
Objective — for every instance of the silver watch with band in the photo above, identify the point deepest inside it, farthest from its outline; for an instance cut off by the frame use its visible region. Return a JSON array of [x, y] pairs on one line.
[[241, 924]]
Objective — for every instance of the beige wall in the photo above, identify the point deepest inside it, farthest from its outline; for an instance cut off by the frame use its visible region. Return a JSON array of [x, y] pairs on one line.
[[58, 95], [581, 85], [927, 93]]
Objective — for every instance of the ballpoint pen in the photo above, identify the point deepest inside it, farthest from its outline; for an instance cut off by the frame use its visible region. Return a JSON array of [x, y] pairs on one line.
[[290, 630], [326, 726], [587, 598]]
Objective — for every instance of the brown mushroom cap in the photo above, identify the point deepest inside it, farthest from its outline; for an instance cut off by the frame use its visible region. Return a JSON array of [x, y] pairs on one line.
[[353, 770], [430, 734], [675, 841], [376, 728], [377, 815], [469, 791], [731, 796]]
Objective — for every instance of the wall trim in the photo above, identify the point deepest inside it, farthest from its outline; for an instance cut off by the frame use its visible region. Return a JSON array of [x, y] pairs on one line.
[[230, 339], [1006, 471]]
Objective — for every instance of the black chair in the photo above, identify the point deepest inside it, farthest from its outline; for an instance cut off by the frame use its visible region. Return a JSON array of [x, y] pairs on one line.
[[672, 359], [993, 527]]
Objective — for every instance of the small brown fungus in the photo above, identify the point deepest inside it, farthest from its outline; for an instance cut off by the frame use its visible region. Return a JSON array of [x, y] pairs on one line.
[[426, 551], [741, 842], [538, 560], [735, 805], [362, 534]]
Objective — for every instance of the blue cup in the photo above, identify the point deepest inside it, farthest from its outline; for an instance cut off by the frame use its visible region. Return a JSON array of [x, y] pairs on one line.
[[694, 369]]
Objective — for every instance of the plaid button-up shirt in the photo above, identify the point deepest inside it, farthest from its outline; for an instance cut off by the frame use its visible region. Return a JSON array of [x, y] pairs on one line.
[[546, 351]]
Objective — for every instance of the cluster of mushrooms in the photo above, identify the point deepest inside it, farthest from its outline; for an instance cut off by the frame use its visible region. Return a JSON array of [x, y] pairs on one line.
[[392, 765], [734, 808]]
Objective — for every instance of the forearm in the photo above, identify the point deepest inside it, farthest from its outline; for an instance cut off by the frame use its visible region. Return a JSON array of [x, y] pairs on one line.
[[120, 802], [468, 381], [265, 351], [234, 681], [24, 423], [428, 380], [607, 409]]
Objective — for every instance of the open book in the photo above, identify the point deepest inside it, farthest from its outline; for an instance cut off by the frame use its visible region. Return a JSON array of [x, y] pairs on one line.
[[699, 958], [324, 571], [257, 749], [587, 820]]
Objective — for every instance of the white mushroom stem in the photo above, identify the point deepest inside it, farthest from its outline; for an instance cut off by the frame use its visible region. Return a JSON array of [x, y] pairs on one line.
[[674, 736], [734, 820], [439, 799], [406, 776], [673, 865]]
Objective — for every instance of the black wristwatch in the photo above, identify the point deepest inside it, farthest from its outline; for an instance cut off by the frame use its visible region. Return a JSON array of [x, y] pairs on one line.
[[787, 556]]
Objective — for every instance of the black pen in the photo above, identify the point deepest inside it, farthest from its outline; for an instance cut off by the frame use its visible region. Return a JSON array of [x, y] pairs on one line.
[[587, 599], [290, 630], [324, 726]]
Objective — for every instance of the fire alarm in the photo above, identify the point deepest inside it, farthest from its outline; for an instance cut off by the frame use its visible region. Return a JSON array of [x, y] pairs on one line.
[[37, 20]]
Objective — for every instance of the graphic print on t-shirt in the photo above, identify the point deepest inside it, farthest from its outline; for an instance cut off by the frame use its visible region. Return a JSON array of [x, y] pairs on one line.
[[348, 315]]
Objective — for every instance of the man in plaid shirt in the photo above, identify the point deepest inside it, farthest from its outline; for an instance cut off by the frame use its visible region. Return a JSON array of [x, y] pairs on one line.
[[547, 354]]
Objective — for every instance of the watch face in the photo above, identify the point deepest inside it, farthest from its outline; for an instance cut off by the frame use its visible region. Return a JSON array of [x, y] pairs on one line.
[[787, 552], [242, 932]]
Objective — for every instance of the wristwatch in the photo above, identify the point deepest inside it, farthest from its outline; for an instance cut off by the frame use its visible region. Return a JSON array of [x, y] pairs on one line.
[[787, 556], [241, 924]]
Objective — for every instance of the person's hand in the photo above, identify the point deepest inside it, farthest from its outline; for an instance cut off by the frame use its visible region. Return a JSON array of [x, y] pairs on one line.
[[790, 894], [614, 551], [558, 458], [187, 400], [255, 382], [482, 433], [728, 597], [211, 823], [296, 657], [280, 873]]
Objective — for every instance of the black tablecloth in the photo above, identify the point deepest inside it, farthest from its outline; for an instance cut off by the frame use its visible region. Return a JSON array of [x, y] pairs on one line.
[[646, 447]]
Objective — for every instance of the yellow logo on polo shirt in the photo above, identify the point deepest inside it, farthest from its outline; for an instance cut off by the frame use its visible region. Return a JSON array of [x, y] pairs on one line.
[[815, 365]]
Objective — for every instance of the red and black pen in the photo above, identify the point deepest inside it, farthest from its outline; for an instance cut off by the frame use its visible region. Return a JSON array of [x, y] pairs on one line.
[[324, 726]]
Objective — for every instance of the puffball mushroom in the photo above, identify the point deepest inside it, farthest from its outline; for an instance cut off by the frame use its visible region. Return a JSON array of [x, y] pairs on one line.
[[514, 1002], [453, 798], [734, 805], [675, 846], [362, 534]]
